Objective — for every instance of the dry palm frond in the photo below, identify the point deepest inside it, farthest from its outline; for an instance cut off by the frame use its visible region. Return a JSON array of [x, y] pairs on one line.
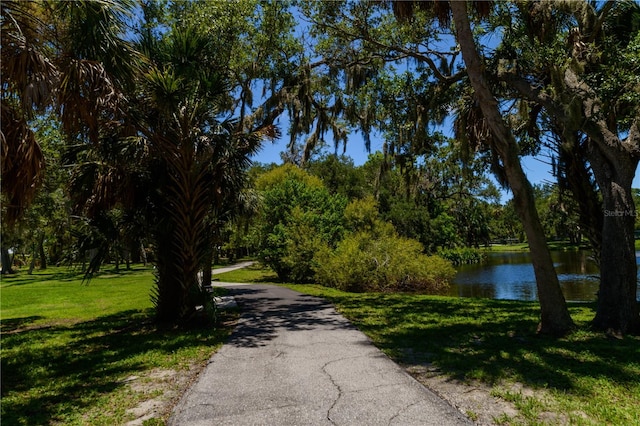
[[85, 93], [27, 69], [22, 164]]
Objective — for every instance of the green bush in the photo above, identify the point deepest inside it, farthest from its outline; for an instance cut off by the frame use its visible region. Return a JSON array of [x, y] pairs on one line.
[[383, 262], [298, 216], [302, 243]]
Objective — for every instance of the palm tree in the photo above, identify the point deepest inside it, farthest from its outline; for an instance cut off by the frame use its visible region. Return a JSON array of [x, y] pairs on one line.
[[198, 161], [63, 55], [28, 80]]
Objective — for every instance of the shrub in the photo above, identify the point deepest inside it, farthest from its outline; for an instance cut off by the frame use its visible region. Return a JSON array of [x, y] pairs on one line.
[[462, 256], [385, 262], [298, 217], [302, 243]]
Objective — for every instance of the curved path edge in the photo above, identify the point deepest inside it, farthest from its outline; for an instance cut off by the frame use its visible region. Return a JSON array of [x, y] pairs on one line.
[[293, 360]]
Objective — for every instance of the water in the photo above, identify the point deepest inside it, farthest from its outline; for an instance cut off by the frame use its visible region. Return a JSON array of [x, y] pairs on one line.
[[509, 275]]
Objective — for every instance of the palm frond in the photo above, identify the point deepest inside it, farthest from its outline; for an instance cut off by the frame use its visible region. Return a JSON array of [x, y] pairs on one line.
[[23, 164]]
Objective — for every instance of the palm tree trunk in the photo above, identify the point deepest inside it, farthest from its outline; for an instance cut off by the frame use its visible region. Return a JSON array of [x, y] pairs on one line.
[[555, 318]]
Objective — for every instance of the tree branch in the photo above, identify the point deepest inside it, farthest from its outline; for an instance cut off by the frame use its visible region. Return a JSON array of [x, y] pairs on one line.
[[419, 56]]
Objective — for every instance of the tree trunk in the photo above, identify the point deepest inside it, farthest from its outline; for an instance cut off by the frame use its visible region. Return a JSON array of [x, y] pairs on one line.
[[32, 264], [143, 253], [183, 241], [555, 318], [614, 162], [207, 274], [42, 254], [6, 261], [617, 309], [578, 180]]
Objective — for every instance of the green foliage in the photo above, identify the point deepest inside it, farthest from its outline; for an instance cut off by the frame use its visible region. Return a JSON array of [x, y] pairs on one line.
[[364, 261], [298, 216], [278, 175], [42, 233], [505, 226], [302, 245], [412, 220], [362, 215], [339, 175], [558, 212]]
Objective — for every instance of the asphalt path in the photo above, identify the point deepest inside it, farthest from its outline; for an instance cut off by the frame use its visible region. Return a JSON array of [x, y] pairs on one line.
[[293, 360]]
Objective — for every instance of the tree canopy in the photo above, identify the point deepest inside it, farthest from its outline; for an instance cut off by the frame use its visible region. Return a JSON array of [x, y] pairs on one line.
[[160, 105]]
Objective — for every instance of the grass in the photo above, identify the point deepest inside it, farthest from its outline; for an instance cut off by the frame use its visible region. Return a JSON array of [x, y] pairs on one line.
[[252, 274], [70, 349], [553, 246], [585, 378]]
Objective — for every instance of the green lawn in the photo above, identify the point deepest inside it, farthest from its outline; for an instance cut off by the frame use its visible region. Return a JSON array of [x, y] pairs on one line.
[[554, 245], [70, 349], [587, 378]]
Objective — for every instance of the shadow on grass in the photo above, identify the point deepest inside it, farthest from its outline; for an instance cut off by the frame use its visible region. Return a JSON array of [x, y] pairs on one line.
[[13, 324], [59, 273], [25, 279], [491, 340], [50, 374]]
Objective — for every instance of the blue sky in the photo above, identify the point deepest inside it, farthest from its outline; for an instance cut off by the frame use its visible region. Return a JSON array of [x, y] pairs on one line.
[[536, 170]]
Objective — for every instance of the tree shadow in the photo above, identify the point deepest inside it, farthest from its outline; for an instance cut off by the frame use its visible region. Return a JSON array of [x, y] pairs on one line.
[[497, 341], [265, 315], [70, 273], [13, 324], [54, 372]]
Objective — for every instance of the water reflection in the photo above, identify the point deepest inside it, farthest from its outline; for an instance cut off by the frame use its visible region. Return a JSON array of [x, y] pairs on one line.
[[510, 276]]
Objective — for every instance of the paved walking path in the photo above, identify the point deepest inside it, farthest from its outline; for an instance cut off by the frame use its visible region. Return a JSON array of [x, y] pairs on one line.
[[232, 267], [293, 360]]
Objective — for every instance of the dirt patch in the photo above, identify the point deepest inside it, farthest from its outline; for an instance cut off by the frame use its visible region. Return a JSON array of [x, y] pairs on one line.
[[161, 390], [478, 401], [473, 400]]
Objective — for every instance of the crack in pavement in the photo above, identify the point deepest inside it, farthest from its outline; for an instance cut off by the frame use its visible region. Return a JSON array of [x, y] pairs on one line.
[[402, 410], [342, 392], [336, 385], [292, 358]]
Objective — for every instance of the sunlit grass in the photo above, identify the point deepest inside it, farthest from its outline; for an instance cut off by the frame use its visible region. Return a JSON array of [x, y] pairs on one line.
[[68, 347], [553, 245], [253, 274]]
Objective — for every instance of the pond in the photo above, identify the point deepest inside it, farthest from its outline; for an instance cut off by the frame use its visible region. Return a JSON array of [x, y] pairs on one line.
[[509, 275]]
